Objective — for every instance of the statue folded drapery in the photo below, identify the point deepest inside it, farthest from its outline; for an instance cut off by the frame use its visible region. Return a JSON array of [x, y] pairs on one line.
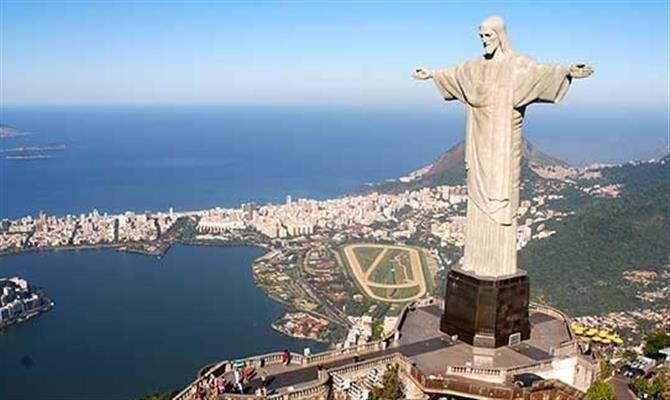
[[496, 92], [496, 88]]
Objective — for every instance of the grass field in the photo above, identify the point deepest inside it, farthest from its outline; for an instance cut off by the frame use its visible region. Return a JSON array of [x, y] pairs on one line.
[[389, 273], [405, 293], [366, 256], [381, 292], [430, 282], [394, 268], [396, 294]]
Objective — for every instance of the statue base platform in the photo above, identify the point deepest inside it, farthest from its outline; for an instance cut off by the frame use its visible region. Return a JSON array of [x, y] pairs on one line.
[[487, 311]]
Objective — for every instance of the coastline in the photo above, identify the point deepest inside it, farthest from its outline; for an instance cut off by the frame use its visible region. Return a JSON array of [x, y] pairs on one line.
[[303, 275], [135, 248], [301, 337], [132, 248], [59, 248], [123, 247], [211, 286], [47, 305], [15, 321]]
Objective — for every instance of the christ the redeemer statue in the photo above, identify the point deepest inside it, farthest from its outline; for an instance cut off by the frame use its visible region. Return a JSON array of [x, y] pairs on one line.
[[496, 88]]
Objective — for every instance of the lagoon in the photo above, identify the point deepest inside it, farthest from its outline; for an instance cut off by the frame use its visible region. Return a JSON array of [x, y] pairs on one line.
[[125, 324]]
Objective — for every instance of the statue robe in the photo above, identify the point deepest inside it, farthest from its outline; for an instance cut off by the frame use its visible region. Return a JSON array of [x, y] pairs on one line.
[[496, 92]]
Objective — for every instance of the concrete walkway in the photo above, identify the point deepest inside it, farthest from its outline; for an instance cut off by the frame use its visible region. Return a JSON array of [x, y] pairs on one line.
[[280, 376], [621, 389]]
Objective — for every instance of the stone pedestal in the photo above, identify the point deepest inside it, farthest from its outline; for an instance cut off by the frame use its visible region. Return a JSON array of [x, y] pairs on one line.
[[486, 311]]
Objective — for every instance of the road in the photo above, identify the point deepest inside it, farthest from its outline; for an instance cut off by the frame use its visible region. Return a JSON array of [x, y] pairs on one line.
[[621, 390]]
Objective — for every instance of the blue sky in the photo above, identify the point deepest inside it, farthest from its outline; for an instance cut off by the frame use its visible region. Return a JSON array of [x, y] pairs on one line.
[[314, 53]]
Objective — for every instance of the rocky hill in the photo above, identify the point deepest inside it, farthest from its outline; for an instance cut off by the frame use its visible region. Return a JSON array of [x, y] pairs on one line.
[[449, 169]]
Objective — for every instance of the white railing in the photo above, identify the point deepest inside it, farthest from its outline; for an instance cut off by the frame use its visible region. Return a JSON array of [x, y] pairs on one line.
[[321, 385], [321, 358], [363, 365], [475, 371]]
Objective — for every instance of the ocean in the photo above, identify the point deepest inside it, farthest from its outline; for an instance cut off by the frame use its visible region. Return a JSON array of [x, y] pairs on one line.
[[151, 158], [139, 159]]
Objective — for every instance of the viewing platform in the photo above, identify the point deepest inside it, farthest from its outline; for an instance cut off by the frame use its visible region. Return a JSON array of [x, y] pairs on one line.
[[431, 362]]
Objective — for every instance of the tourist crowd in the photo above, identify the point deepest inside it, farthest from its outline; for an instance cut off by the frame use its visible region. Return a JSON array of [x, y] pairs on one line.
[[239, 382]]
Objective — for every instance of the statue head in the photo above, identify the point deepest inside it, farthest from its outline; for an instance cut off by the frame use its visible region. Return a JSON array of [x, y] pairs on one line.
[[493, 33]]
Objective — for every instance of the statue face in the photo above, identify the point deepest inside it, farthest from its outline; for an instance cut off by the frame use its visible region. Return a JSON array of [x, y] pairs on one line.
[[490, 40]]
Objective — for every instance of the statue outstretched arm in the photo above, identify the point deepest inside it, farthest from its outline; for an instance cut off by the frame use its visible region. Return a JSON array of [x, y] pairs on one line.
[[580, 70], [423, 73], [446, 81], [545, 83]]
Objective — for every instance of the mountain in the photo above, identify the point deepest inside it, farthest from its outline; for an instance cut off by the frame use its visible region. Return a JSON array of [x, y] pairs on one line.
[[536, 157], [449, 169]]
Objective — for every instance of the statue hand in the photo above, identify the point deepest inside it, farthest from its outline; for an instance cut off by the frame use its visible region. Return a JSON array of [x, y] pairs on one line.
[[422, 73], [579, 71]]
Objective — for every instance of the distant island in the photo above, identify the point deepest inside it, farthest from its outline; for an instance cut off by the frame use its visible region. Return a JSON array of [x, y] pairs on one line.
[[19, 301], [32, 152], [27, 149], [27, 157], [26, 153], [7, 131]]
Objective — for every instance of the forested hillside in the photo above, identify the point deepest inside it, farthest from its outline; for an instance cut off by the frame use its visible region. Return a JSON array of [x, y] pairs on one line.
[[580, 268]]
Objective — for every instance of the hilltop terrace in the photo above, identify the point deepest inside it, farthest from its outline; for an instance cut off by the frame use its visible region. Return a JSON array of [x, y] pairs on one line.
[[430, 362]]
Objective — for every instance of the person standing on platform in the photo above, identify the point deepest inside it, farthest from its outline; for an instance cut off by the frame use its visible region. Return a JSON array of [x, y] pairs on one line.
[[264, 378], [238, 381], [221, 384]]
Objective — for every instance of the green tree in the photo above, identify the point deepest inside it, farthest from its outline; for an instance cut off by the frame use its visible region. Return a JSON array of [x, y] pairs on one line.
[[656, 341], [605, 366], [392, 387], [629, 355], [600, 390], [377, 329], [651, 388], [641, 386]]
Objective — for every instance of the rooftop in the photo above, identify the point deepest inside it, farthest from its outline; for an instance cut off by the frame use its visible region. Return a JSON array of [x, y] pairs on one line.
[[432, 351], [422, 341]]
